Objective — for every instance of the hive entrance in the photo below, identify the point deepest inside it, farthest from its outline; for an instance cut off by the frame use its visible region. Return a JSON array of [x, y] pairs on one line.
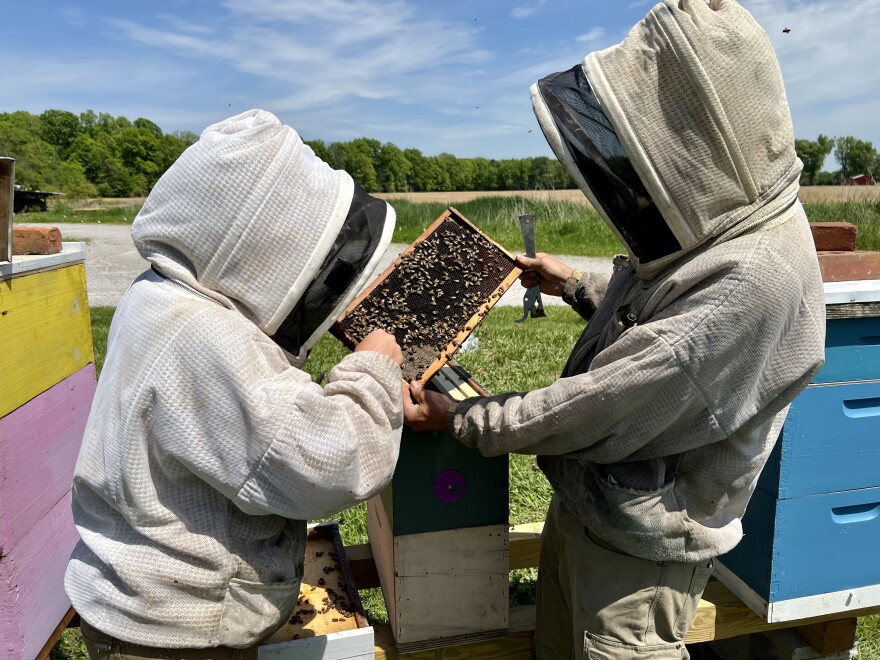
[[433, 296]]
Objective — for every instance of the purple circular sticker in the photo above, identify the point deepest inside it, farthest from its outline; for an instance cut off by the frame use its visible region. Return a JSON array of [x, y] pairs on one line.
[[450, 486]]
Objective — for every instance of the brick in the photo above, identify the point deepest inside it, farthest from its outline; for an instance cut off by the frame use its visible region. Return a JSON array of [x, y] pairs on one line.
[[846, 266], [834, 236], [35, 240]]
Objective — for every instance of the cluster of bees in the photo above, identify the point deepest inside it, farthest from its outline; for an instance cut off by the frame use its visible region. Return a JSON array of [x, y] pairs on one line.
[[307, 608], [432, 295]]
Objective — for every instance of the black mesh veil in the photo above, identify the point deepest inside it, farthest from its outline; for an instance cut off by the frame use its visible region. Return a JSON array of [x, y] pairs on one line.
[[599, 157], [343, 266]]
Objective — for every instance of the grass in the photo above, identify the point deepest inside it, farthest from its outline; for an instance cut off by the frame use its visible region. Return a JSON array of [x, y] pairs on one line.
[[63, 213]]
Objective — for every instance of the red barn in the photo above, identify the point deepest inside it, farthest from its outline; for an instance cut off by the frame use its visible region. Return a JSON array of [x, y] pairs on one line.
[[860, 180]]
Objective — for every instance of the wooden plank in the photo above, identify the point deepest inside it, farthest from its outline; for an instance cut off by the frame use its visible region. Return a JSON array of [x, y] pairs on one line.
[[56, 634], [7, 195], [516, 646], [450, 585], [32, 598], [326, 598], [473, 550], [38, 453], [524, 549], [363, 567], [525, 545], [721, 617], [830, 637], [47, 336], [382, 545]]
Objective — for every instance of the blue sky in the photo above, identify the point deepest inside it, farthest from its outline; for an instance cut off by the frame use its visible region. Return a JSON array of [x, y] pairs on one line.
[[439, 76]]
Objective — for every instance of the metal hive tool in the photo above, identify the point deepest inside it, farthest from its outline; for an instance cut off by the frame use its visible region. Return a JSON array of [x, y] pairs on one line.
[[433, 296]]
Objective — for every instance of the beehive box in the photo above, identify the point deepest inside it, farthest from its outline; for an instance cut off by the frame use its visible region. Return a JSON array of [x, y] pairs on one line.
[[46, 388], [440, 537], [433, 295], [329, 620], [812, 529]]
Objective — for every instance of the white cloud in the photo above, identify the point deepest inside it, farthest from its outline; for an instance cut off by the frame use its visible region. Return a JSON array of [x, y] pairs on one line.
[[593, 35], [526, 11], [828, 62], [185, 26]]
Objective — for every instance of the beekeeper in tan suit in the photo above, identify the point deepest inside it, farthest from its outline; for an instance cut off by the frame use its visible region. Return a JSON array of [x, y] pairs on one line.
[[674, 395], [207, 447]]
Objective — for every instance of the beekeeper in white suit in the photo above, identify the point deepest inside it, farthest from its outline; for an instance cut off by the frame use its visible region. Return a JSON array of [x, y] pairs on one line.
[[675, 394], [207, 447]]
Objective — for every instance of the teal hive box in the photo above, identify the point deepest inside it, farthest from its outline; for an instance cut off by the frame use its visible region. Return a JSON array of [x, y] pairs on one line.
[[441, 484]]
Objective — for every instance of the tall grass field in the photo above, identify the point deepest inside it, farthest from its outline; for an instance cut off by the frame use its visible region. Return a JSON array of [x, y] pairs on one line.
[[563, 226]]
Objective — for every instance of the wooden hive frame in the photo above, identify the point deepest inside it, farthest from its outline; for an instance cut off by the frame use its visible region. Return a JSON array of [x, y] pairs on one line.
[[471, 324]]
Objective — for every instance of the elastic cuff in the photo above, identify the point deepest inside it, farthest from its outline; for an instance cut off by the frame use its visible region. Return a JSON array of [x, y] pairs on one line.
[[569, 290], [450, 416]]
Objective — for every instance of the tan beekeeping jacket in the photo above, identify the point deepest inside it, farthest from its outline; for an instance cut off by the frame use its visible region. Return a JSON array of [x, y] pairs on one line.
[[675, 394]]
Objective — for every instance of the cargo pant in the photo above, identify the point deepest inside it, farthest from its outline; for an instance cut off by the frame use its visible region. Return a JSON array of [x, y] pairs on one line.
[[596, 602], [103, 646]]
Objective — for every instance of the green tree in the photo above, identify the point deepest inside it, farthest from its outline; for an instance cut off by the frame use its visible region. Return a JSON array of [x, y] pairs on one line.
[[147, 125], [392, 168], [813, 154], [855, 156], [355, 157], [60, 128], [138, 148]]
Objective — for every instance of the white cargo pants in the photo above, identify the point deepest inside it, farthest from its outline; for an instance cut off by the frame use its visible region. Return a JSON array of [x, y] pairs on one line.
[[595, 602]]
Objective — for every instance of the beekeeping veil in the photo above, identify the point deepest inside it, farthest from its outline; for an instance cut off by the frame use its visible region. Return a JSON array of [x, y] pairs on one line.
[[681, 134], [250, 217]]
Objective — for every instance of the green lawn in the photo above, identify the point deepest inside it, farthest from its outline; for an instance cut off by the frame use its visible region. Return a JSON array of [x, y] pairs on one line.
[[562, 228], [532, 355]]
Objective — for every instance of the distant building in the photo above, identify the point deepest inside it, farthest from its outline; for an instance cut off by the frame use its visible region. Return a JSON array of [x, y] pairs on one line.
[[30, 200], [860, 180]]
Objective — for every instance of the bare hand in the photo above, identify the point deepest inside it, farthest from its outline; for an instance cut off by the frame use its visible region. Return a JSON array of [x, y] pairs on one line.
[[424, 410], [545, 271], [379, 341]]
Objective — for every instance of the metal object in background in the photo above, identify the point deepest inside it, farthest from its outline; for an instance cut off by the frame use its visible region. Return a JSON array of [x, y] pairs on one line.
[[7, 194], [532, 304]]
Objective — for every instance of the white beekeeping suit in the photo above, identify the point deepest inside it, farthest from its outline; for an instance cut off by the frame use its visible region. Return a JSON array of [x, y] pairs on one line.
[[207, 447]]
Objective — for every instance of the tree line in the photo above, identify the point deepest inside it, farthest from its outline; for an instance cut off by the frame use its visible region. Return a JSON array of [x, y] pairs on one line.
[[96, 154], [90, 154], [853, 155]]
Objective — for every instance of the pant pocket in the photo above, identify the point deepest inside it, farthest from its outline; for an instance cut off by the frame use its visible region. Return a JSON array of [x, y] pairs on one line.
[[700, 577], [603, 648], [254, 610]]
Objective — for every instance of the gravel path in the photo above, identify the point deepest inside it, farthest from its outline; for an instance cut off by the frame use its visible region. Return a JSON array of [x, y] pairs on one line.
[[112, 263]]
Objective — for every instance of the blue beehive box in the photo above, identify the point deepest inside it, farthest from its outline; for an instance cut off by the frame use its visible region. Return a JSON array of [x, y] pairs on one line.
[[812, 529]]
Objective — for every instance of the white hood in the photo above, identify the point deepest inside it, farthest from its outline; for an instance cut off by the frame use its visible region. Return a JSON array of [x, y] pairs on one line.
[[247, 215]]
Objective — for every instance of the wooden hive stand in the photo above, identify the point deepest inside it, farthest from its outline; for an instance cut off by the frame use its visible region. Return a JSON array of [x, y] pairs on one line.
[[47, 380]]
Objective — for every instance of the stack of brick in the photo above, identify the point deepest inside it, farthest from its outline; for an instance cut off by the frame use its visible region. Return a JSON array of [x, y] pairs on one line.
[[47, 384], [838, 258]]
